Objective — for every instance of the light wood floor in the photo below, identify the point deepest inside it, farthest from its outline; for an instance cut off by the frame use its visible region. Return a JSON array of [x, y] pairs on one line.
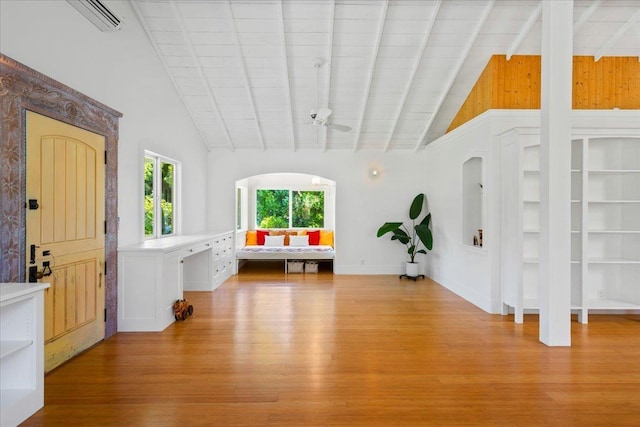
[[325, 350]]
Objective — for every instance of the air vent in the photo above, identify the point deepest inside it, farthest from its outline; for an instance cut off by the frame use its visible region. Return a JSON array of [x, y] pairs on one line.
[[99, 14]]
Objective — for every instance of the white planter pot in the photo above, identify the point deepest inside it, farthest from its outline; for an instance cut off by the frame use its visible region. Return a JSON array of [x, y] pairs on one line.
[[413, 269]]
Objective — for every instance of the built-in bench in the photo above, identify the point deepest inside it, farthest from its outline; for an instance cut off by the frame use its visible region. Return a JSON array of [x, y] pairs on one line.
[[283, 245]]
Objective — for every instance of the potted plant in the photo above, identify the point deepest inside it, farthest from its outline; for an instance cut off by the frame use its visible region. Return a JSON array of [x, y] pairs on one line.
[[413, 237]]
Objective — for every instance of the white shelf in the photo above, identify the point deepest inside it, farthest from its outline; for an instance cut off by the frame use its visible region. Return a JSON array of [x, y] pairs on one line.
[[613, 261], [534, 304], [614, 201], [613, 231], [9, 347], [21, 351], [610, 304], [536, 260], [11, 396], [612, 171]]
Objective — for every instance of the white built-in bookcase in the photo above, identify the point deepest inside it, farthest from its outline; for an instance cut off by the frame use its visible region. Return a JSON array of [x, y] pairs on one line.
[[605, 222]]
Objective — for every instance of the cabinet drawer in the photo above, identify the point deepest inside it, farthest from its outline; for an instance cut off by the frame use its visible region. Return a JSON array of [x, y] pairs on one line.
[[198, 248]]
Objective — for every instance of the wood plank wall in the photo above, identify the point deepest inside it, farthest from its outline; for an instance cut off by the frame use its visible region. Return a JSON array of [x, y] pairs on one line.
[[515, 84]]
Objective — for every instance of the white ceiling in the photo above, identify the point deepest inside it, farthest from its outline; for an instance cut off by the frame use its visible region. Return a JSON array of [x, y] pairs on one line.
[[395, 71]]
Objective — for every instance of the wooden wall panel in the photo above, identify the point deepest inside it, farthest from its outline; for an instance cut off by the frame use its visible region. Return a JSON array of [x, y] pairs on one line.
[[612, 82]]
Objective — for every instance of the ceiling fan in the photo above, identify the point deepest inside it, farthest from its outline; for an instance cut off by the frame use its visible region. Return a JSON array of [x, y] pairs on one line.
[[320, 116]]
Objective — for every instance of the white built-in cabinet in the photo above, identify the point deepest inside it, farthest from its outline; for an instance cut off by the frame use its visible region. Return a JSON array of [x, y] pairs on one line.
[[154, 274], [21, 351], [605, 222]]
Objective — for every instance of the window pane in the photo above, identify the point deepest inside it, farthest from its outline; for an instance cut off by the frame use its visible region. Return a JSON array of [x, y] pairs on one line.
[[239, 209], [272, 208], [308, 209], [148, 197], [167, 198]]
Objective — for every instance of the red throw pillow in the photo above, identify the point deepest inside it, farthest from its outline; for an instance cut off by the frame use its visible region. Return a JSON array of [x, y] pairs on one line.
[[261, 234], [314, 237]]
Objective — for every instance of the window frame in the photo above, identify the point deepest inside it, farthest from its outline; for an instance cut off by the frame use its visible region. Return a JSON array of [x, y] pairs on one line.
[[291, 190], [158, 160]]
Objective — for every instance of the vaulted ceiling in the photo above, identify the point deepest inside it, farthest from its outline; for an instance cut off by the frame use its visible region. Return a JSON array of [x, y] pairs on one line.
[[250, 71]]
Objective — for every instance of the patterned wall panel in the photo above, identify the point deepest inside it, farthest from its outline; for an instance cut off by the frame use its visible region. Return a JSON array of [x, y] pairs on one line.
[[21, 89]]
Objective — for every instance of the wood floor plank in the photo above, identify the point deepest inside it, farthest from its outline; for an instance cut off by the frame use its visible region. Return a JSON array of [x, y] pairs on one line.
[[267, 349]]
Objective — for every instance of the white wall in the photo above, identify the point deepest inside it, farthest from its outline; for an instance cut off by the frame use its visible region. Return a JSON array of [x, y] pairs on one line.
[[121, 70], [363, 203]]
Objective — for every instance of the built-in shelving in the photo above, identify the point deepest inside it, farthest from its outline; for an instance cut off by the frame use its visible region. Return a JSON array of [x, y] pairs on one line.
[[605, 223], [21, 351]]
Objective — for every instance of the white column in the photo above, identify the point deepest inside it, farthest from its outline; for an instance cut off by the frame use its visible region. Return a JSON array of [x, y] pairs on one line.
[[555, 173]]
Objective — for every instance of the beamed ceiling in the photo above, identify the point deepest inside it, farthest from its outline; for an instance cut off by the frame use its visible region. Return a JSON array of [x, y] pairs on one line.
[[396, 72]]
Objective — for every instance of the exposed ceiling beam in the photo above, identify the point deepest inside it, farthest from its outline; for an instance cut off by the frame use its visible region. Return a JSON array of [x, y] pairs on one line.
[[372, 67], [416, 65], [327, 90], [616, 36], [456, 71], [196, 60], [287, 83], [526, 28], [585, 16], [245, 76], [160, 56]]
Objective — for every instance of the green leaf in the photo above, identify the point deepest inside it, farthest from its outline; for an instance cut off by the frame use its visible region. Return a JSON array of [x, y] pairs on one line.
[[399, 234], [387, 227], [426, 220], [411, 249], [416, 206], [425, 236], [421, 251]]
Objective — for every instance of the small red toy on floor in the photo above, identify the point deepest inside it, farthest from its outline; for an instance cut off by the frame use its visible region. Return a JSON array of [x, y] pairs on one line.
[[182, 308]]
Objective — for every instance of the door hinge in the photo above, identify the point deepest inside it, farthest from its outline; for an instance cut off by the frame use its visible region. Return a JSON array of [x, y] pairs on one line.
[[105, 315], [105, 269], [105, 226], [105, 157]]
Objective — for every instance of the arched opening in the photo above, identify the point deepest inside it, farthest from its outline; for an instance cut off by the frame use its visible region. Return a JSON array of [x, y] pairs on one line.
[[250, 215], [285, 204]]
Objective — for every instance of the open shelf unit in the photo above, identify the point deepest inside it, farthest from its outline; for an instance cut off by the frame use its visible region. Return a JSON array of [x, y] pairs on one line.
[[21, 351], [605, 222]]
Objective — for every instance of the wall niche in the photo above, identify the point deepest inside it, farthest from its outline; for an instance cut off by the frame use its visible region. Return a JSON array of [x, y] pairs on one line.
[[472, 202]]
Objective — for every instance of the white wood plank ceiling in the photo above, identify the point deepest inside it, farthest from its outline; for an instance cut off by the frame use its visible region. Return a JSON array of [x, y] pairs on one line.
[[395, 71]]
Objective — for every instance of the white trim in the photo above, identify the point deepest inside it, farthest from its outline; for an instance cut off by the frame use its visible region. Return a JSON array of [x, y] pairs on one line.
[[157, 185]]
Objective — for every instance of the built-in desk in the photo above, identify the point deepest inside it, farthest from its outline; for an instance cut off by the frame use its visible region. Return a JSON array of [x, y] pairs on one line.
[[152, 275], [21, 351]]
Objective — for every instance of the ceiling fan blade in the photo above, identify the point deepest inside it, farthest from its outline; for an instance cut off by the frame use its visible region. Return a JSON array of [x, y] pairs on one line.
[[323, 114], [341, 128]]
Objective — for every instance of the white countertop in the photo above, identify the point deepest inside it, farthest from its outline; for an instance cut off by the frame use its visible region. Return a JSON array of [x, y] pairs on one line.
[[171, 242], [13, 290]]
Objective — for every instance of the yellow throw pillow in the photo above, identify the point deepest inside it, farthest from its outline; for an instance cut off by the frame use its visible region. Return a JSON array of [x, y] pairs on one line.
[[326, 238], [252, 238]]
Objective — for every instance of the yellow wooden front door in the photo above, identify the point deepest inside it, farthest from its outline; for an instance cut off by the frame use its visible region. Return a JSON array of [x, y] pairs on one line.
[[65, 230]]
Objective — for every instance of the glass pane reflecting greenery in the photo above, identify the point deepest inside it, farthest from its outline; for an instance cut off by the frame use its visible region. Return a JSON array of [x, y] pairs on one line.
[[166, 203], [272, 208], [308, 209], [148, 197]]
